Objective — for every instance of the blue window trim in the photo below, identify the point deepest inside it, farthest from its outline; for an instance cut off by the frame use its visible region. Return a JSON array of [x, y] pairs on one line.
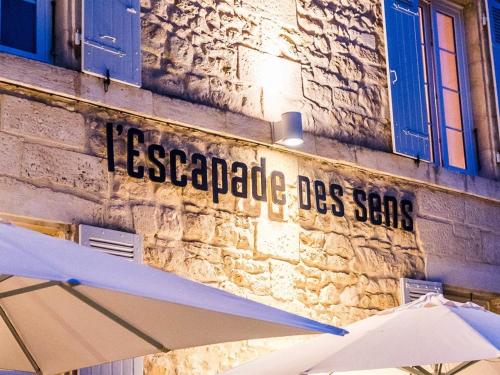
[[467, 122], [43, 34]]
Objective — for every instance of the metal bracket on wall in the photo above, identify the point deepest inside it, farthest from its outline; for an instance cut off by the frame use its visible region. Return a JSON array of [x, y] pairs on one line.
[[107, 81], [417, 160]]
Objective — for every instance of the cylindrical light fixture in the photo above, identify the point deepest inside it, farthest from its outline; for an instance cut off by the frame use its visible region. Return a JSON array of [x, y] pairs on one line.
[[289, 131]]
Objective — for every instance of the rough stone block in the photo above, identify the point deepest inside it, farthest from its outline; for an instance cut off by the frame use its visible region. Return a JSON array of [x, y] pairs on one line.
[[443, 239], [482, 214], [335, 150], [37, 74], [372, 261], [120, 217], [469, 275], [248, 127], [19, 198], [444, 177], [146, 219], [483, 187], [349, 296], [170, 224], [278, 75], [436, 238], [199, 227], [277, 240], [67, 168], [283, 11], [10, 155], [491, 247], [441, 205], [320, 94], [36, 120], [182, 112], [329, 295], [336, 244], [282, 276], [118, 96]]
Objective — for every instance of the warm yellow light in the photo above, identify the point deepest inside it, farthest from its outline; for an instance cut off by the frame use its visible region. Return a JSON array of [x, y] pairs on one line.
[[292, 142]]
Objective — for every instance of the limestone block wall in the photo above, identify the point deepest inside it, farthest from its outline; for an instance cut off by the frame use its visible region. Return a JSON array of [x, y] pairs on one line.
[[53, 166], [263, 58]]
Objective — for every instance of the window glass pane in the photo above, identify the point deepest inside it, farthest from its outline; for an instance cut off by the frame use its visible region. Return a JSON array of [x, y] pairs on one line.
[[18, 24], [450, 90], [456, 153], [452, 115], [449, 74], [445, 31]]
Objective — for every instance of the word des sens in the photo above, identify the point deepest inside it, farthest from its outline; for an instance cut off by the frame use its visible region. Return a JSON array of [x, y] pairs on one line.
[[379, 210]]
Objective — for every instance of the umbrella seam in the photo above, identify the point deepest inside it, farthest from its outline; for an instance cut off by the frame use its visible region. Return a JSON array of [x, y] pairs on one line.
[[19, 341], [115, 318], [474, 330]]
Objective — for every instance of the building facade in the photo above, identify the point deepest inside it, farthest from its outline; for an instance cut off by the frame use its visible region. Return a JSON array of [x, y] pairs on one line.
[[159, 118]]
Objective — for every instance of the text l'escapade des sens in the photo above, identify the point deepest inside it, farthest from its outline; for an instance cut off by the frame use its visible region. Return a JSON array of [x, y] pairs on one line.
[[244, 182]]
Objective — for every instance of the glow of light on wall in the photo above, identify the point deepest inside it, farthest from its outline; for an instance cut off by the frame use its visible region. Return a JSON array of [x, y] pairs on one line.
[[275, 76]]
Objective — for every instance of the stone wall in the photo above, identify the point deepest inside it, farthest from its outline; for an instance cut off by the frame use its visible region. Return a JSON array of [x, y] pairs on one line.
[[336, 270], [462, 239], [263, 58]]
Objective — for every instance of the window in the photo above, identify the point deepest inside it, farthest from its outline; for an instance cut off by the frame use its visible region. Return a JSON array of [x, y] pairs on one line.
[[110, 31], [25, 28], [431, 111], [449, 122]]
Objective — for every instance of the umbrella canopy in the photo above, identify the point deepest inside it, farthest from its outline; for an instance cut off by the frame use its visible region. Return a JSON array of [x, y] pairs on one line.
[[64, 306], [485, 367], [429, 330]]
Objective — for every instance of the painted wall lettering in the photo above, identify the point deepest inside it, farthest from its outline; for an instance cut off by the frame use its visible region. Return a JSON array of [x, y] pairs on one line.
[[242, 181]]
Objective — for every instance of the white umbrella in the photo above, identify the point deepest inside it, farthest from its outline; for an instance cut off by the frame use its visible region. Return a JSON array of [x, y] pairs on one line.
[[64, 306], [427, 331], [485, 367]]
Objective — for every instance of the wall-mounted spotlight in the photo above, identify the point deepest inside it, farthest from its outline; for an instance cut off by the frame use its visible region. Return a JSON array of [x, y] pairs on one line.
[[288, 132]]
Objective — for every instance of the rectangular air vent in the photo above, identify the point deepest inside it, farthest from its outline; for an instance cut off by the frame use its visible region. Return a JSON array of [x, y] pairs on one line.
[[113, 242], [412, 290], [127, 246]]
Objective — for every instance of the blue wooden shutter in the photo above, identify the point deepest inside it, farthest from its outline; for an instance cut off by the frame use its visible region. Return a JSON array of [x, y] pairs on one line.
[[494, 29], [112, 39], [410, 129]]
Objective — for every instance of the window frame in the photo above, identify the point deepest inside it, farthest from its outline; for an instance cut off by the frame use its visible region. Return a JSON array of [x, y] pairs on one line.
[[43, 34], [438, 126], [430, 65]]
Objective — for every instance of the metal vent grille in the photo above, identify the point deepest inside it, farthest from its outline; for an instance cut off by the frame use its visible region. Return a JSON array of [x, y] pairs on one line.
[[412, 290], [495, 28], [113, 242]]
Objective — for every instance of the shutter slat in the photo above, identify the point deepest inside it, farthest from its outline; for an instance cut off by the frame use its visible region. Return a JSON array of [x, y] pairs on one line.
[[406, 79], [112, 39]]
